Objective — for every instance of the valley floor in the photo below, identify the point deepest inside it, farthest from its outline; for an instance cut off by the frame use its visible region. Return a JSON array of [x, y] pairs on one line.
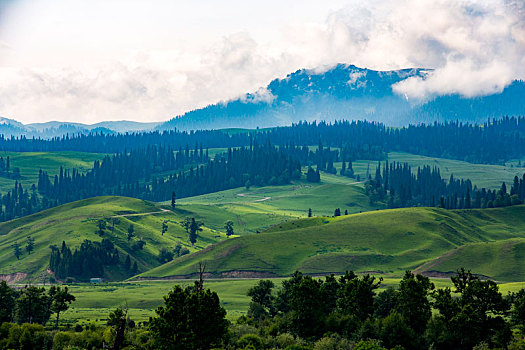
[[95, 301]]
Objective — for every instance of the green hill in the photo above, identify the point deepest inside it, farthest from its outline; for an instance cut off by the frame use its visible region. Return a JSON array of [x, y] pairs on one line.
[[30, 164], [75, 222], [386, 242]]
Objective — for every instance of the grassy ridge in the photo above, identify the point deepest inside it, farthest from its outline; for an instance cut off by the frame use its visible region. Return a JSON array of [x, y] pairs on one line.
[[387, 241], [76, 221]]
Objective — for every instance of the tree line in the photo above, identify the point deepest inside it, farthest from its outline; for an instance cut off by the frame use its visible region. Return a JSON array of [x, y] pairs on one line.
[[255, 165], [19, 202], [494, 142], [342, 311], [399, 186]]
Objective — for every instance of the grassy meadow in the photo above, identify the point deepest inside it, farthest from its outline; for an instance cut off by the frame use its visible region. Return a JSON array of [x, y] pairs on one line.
[[386, 242], [75, 222]]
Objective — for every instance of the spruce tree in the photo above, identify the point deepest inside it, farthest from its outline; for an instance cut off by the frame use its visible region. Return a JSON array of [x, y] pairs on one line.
[[17, 251], [127, 263], [30, 245]]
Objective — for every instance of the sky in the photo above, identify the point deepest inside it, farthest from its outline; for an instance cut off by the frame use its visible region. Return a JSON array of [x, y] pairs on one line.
[[150, 60]]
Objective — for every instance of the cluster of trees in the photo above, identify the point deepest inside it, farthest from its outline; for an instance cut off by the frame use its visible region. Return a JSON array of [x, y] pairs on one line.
[[118, 174], [33, 304], [29, 247], [399, 186], [350, 309], [258, 165], [88, 260], [7, 171], [19, 202], [325, 157], [495, 142]]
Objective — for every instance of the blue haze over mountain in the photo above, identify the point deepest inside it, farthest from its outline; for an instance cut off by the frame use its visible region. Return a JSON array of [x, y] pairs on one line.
[[348, 92]]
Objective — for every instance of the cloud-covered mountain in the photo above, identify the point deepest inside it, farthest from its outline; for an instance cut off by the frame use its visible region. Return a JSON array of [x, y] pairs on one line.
[[348, 92], [342, 92]]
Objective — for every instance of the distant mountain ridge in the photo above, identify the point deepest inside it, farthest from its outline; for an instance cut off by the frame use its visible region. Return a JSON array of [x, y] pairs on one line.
[[347, 92], [10, 127]]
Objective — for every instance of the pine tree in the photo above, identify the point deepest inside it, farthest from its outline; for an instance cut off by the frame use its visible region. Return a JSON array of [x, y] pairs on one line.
[[229, 228], [135, 269], [173, 200], [17, 251], [131, 230], [127, 263], [195, 226], [164, 227], [309, 212], [30, 246]]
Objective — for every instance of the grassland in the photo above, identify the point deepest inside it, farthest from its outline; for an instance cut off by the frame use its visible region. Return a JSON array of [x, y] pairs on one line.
[[387, 242], [75, 222]]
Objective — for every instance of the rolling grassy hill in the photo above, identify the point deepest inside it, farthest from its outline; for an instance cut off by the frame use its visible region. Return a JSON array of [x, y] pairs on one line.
[[75, 222], [386, 242]]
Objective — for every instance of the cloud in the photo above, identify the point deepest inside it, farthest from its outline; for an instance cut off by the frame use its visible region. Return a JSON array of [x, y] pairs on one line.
[[473, 47]]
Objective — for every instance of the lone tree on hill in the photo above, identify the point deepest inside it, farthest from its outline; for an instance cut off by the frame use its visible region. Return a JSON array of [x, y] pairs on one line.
[[164, 227], [173, 198], [195, 226], [131, 230], [229, 228], [101, 225], [309, 212], [30, 246], [17, 251], [186, 223]]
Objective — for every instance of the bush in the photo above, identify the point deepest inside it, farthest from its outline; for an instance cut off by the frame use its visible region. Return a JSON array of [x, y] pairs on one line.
[[298, 347], [250, 340], [369, 345], [284, 340], [333, 342]]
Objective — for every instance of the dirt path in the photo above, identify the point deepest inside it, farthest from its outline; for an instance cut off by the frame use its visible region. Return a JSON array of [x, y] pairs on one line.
[[252, 196], [141, 214], [355, 183]]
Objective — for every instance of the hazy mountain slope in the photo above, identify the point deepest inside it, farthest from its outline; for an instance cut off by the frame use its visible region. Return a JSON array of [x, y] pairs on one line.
[[346, 92]]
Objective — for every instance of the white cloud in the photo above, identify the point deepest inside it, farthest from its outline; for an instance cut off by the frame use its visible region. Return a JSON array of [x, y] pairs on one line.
[[128, 65]]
